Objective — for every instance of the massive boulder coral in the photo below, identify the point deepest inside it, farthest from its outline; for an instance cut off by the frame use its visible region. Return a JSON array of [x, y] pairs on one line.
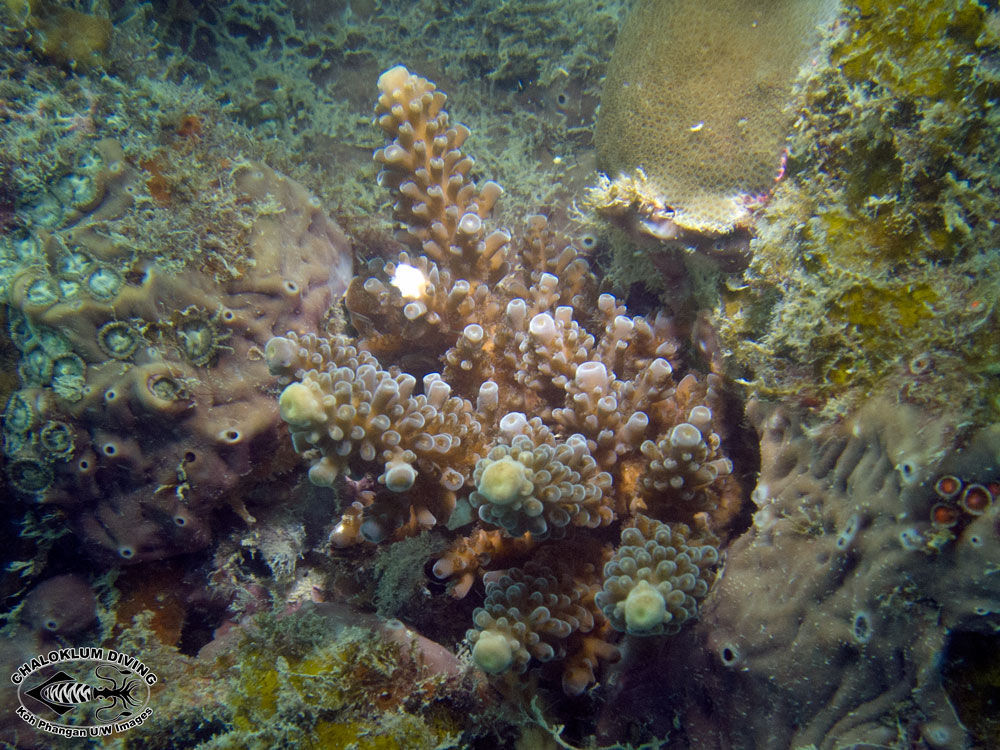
[[507, 327], [142, 409], [694, 115]]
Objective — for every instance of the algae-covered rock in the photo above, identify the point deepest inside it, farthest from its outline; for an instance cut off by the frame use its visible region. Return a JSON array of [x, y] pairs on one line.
[[61, 34], [874, 266]]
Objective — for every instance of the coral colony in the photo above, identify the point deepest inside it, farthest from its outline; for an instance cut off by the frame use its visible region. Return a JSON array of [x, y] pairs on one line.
[[617, 436], [447, 488]]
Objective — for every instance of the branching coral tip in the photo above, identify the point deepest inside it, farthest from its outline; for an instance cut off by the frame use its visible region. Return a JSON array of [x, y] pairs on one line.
[[492, 652], [644, 608]]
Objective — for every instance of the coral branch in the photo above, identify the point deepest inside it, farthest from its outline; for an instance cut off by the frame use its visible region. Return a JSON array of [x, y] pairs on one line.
[[543, 407]]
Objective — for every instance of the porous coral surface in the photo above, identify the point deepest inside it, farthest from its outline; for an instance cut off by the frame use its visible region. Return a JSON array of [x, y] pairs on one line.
[[695, 99]]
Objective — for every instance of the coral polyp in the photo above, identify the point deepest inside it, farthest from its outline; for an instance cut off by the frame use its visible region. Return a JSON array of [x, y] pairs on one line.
[[118, 339], [56, 439], [20, 414], [103, 284], [198, 334], [29, 475]]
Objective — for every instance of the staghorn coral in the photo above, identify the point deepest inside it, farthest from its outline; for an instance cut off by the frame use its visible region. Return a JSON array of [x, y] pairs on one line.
[[463, 563], [693, 111], [683, 463], [657, 577], [507, 327], [295, 73], [531, 614], [439, 206], [342, 409], [538, 486]]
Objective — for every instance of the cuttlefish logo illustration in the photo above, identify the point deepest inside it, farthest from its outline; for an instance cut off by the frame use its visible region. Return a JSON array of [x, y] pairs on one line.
[[84, 692]]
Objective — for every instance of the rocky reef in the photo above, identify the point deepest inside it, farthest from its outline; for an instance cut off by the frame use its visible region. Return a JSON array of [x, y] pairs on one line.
[[399, 457], [874, 265]]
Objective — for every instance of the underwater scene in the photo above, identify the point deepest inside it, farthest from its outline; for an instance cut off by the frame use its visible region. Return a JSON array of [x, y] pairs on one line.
[[428, 374]]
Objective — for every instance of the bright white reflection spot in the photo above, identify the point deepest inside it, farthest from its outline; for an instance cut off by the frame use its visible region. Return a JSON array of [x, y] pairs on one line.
[[410, 281]]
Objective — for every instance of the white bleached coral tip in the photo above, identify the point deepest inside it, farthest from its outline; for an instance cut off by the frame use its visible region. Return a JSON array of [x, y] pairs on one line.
[[543, 327], [399, 476], [492, 652], [503, 482], [299, 406], [645, 608], [591, 376]]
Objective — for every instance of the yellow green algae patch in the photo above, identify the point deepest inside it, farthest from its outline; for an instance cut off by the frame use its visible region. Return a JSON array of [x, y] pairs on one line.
[[310, 679], [875, 266], [350, 692], [908, 48], [63, 35]]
